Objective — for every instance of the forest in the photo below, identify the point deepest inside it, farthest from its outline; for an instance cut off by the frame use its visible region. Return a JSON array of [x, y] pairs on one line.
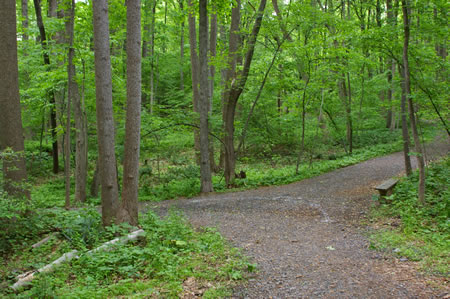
[[110, 106]]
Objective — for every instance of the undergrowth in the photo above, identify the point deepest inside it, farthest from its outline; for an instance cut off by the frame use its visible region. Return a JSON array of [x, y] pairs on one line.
[[414, 231], [170, 254]]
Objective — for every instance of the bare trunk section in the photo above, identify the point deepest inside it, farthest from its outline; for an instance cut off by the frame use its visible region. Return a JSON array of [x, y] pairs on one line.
[[203, 105], [129, 209], [412, 117], [11, 131], [37, 7], [105, 121]]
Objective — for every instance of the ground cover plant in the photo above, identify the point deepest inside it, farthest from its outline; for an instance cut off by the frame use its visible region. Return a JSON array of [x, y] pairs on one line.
[[170, 254], [413, 231]]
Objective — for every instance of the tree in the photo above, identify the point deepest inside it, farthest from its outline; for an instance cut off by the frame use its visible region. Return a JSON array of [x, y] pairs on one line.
[[43, 38], [129, 209], [105, 121], [407, 87], [11, 131], [203, 105], [235, 81]]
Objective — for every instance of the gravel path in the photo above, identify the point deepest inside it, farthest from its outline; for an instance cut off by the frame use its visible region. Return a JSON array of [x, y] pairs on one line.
[[307, 237]]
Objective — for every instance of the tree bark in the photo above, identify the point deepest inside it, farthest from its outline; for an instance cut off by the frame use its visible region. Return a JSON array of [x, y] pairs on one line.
[[105, 121], [204, 92], [412, 117], [129, 209], [37, 7], [11, 131]]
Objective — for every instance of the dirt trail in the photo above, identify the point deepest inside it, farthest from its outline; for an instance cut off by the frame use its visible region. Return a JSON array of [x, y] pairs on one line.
[[307, 237]]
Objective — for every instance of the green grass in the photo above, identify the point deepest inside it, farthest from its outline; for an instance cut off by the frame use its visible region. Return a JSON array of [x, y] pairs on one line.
[[422, 232]]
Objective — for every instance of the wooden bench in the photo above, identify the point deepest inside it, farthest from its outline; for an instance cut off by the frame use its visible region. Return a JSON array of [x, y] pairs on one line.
[[386, 187]]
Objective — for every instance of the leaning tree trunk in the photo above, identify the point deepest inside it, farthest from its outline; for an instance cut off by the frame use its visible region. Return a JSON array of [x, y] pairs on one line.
[[412, 118], [205, 167], [11, 131], [105, 121], [129, 209], [235, 82]]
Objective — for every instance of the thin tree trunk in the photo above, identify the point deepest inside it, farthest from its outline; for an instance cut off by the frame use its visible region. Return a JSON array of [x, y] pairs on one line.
[[11, 131], [79, 114], [412, 118], [182, 45], [37, 7], [205, 167], [24, 19], [405, 132], [152, 57], [105, 121], [129, 210], [195, 70]]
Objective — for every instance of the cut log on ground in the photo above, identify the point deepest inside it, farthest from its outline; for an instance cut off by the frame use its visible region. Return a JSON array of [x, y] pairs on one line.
[[25, 278]]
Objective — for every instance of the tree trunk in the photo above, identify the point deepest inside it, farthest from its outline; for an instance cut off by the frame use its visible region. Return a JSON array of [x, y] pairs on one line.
[[235, 82], [37, 7], [95, 180], [412, 118], [182, 45], [25, 19], [205, 167], [405, 132], [129, 210], [11, 131], [152, 57], [105, 121], [79, 114], [195, 70]]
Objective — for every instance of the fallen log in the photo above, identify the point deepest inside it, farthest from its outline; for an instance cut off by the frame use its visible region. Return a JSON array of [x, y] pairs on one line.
[[25, 278], [43, 241]]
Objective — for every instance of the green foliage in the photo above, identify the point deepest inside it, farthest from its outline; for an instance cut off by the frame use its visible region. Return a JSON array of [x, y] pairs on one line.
[[170, 253], [424, 230]]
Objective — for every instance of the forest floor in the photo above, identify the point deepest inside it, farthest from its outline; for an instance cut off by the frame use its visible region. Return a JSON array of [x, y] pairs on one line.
[[309, 239]]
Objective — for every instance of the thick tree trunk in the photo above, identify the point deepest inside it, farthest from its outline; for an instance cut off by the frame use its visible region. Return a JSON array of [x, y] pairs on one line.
[[412, 117], [37, 7], [129, 209], [11, 131], [205, 167], [105, 121]]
